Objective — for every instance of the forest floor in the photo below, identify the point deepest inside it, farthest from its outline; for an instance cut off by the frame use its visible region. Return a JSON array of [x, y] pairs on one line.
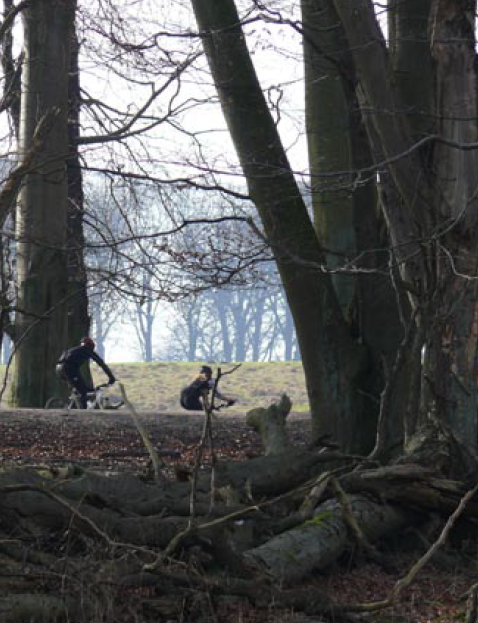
[[109, 441]]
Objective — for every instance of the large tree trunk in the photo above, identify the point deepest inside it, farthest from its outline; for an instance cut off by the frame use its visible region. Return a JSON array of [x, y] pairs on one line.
[[330, 358], [347, 215], [78, 316], [451, 361], [327, 116], [411, 63], [12, 71], [431, 210], [42, 208]]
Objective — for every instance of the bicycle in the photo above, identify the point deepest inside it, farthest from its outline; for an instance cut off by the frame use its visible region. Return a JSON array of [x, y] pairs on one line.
[[95, 400], [223, 404]]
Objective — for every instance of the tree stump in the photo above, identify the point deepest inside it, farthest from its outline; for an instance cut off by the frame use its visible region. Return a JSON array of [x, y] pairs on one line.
[[270, 423]]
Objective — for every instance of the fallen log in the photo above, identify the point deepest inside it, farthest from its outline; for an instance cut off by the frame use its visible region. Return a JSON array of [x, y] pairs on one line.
[[411, 485], [34, 607], [106, 508], [317, 543], [276, 474]]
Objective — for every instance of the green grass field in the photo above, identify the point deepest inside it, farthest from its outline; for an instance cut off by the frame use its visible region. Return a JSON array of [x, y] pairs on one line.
[[156, 386]]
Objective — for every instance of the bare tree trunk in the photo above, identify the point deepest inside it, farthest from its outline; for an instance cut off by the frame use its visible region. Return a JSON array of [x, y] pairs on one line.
[[327, 114], [346, 208], [433, 222], [330, 358], [12, 72], [451, 362], [222, 302], [78, 316], [42, 209]]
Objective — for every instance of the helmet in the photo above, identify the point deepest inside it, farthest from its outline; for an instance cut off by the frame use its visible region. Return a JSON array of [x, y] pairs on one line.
[[206, 370], [87, 341]]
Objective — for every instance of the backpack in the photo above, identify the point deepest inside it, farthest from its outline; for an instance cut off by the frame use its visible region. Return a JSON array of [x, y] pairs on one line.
[[60, 371], [63, 357], [60, 366]]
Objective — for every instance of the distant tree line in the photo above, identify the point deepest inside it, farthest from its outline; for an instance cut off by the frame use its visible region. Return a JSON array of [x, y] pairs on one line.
[[218, 312]]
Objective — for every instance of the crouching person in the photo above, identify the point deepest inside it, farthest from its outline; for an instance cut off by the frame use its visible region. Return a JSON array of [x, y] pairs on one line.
[[192, 395]]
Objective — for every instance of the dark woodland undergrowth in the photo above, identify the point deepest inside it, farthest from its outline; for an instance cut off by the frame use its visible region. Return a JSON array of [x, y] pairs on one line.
[[109, 441]]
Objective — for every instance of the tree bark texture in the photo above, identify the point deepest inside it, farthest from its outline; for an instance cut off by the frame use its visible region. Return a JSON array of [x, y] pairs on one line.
[[314, 545], [331, 359], [328, 124], [432, 219], [270, 423], [451, 363], [348, 218], [78, 317], [42, 207]]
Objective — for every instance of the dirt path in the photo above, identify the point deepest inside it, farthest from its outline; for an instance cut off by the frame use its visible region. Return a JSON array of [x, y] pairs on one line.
[[109, 439]]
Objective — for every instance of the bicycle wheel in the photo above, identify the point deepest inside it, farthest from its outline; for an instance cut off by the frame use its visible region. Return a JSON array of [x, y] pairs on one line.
[[115, 405], [55, 402]]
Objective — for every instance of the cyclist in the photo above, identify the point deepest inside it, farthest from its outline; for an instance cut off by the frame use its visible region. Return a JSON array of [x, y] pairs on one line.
[[191, 396], [70, 362]]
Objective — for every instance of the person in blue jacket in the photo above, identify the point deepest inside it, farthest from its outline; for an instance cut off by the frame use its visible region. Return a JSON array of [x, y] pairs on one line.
[[70, 362]]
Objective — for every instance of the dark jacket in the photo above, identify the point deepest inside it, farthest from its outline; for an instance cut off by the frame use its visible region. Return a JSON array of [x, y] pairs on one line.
[[191, 396], [71, 360]]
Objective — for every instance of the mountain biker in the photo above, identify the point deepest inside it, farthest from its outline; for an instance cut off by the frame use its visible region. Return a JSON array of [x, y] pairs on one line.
[[191, 396], [70, 362]]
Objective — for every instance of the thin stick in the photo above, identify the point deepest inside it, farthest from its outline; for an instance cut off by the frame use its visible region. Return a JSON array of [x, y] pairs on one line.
[[411, 575], [144, 436]]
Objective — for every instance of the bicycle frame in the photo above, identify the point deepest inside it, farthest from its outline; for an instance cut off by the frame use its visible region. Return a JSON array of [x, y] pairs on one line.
[[95, 400]]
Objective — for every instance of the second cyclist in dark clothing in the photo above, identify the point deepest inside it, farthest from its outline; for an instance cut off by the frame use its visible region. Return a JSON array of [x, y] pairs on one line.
[[70, 362], [192, 396]]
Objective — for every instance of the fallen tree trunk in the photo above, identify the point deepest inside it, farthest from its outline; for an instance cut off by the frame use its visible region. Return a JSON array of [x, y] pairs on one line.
[[411, 485], [317, 543], [121, 518]]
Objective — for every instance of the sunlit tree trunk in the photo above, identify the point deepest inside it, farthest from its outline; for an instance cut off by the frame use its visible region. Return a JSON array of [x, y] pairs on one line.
[[328, 124], [144, 320], [42, 209], [347, 218]]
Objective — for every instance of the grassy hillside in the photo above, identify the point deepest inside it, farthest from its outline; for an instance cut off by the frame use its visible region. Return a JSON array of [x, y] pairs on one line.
[[156, 386]]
